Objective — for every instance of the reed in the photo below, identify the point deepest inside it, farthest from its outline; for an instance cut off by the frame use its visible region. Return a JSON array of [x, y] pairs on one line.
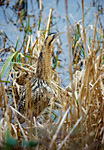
[[74, 119]]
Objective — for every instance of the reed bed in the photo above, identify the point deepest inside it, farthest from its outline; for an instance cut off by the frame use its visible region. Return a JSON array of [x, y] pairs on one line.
[[74, 119]]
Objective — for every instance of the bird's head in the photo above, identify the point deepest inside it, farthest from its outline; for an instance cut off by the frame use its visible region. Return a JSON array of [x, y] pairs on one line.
[[51, 38]]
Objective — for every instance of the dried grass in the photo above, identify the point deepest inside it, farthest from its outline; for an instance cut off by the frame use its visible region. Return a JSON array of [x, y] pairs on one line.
[[75, 119]]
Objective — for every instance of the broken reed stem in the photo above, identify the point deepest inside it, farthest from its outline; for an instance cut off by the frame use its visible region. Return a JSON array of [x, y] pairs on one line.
[[84, 34]]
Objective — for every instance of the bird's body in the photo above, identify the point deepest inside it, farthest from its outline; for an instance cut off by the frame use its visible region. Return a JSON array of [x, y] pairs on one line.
[[38, 91]]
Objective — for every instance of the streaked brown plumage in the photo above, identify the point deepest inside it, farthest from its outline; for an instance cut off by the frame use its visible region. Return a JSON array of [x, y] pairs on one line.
[[41, 92]]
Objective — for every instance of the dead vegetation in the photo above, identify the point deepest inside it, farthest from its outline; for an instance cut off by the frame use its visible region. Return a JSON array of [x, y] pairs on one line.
[[74, 119]]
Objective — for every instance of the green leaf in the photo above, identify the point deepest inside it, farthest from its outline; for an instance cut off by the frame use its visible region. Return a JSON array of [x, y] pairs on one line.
[[7, 63], [30, 143], [39, 23], [5, 81], [9, 140], [55, 65], [16, 44], [76, 100]]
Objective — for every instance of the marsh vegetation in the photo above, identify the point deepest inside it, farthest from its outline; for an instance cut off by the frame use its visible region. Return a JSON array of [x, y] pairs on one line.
[[74, 118]]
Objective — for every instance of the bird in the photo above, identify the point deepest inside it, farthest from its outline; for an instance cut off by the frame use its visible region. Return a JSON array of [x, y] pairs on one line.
[[37, 93]]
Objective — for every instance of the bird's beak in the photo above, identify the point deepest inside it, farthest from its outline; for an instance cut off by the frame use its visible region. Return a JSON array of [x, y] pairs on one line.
[[56, 36]]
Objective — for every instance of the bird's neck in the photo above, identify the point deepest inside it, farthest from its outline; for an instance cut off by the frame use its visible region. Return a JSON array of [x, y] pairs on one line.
[[43, 70]]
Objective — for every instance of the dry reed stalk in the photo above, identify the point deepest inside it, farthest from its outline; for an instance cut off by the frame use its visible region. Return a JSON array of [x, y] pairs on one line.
[[40, 5], [84, 34], [69, 36], [48, 22]]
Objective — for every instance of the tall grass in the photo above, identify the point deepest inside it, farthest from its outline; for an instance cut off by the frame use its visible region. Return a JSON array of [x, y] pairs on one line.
[[74, 119]]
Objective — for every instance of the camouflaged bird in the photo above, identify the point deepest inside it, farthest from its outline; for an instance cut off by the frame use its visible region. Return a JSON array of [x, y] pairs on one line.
[[38, 91]]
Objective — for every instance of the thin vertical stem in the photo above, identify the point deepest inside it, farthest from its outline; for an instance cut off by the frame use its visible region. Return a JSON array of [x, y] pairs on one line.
[[69, 35], [84, 34]]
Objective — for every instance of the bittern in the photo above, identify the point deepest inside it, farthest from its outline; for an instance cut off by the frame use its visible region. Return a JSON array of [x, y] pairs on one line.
[[38, 98]]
